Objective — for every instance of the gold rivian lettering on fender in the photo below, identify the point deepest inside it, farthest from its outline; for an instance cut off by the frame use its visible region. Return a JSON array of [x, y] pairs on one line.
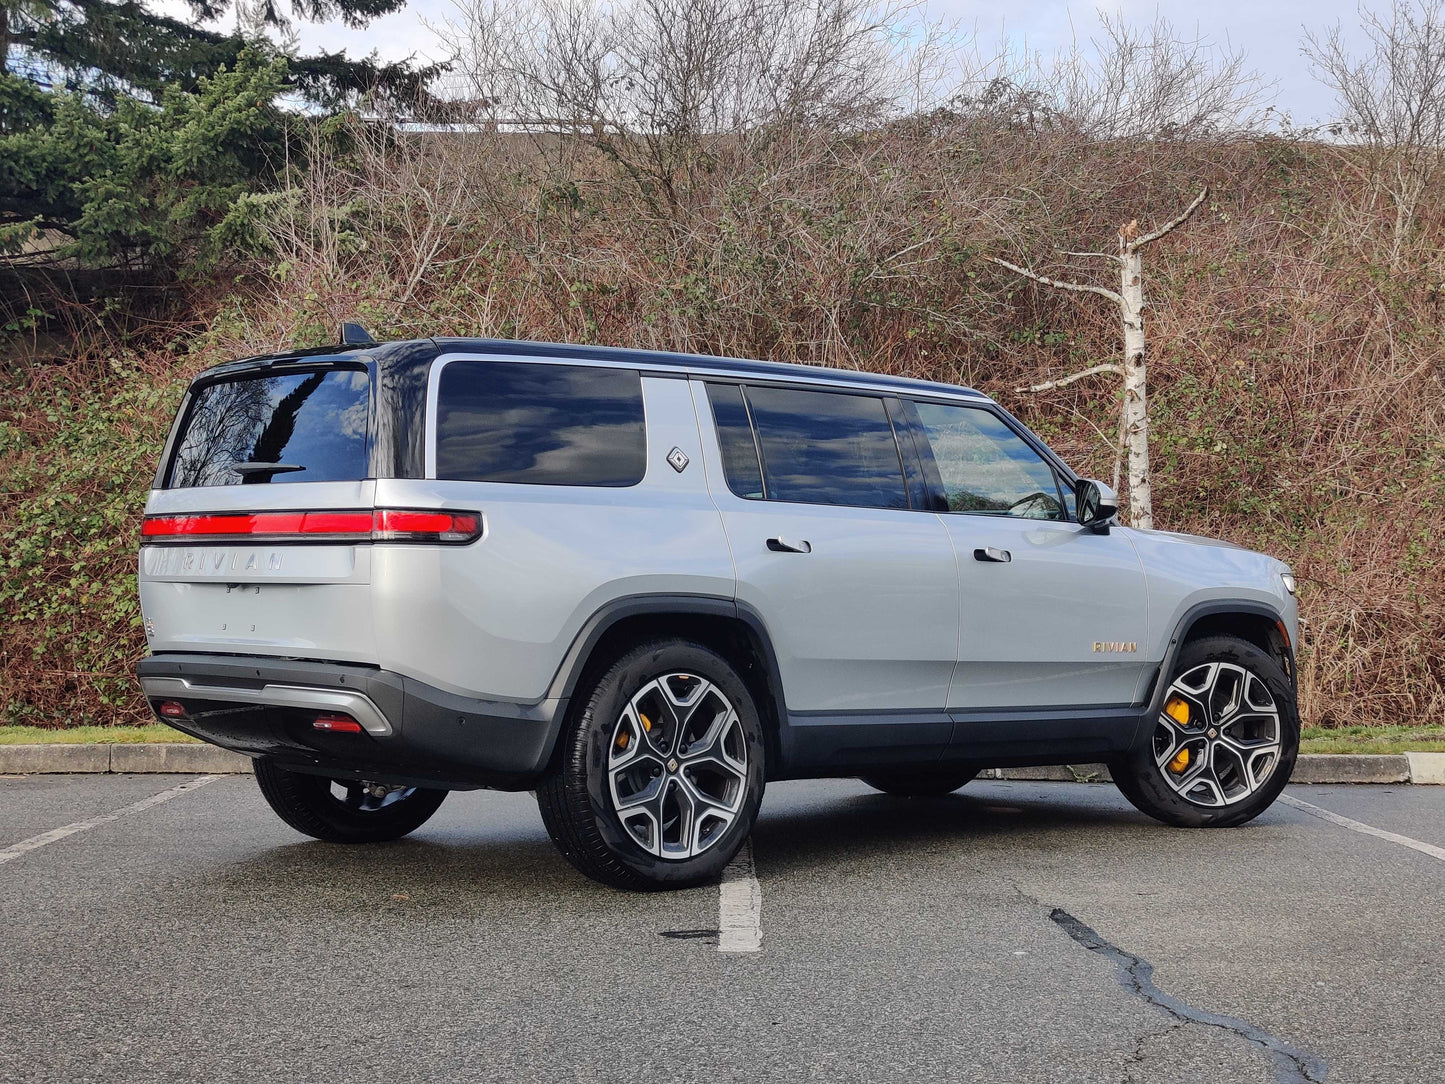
[[1103, 646]]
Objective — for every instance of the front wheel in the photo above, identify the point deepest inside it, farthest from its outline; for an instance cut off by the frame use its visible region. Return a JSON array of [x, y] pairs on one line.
[[662, 770], [1224, 743], [344, 810]]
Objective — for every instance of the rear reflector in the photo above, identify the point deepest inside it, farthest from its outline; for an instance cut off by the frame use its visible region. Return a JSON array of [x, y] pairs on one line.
[[379, 525], [171, 709], [339, 724]]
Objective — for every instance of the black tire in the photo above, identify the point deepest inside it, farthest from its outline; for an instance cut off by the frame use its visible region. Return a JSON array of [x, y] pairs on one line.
[[576, 800], [1142, 780], [307, 804], [919, 783]]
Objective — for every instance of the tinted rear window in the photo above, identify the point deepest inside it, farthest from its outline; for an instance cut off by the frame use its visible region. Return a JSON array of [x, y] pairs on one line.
[[827, 448], [735, 437], [550, 425], [310, 426]]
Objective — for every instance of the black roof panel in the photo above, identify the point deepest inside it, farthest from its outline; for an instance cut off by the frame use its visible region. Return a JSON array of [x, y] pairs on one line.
[[664, 359], [411, 351]]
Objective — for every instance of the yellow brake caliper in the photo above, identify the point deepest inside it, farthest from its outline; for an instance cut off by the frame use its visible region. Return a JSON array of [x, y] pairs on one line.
[[1178, 710], [623, 738]]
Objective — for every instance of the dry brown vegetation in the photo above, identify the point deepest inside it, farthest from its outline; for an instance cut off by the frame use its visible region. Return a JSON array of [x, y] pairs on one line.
[[1297, 387]]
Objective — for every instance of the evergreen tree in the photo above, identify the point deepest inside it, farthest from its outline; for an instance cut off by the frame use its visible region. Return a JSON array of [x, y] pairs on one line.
[[132, 138]]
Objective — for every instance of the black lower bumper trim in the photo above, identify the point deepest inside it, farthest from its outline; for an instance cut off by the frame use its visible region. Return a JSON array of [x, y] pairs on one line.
[[417, 735]]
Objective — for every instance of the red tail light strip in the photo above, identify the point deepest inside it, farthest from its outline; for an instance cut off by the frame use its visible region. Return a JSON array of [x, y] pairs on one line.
[[379, 525]]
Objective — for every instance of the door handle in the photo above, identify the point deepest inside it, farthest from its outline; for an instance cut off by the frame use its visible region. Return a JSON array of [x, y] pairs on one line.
[[992, 553], [787, 545]]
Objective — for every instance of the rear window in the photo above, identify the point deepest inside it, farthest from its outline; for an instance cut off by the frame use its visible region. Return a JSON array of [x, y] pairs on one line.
[[272, 430], [549, 425], [827, 448]]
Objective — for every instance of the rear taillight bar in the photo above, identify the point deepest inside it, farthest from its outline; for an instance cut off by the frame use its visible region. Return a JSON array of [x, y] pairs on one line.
[[377, 525]]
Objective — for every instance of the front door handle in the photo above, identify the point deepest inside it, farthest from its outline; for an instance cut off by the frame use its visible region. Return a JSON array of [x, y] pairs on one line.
[[787, 545], [992, 553]]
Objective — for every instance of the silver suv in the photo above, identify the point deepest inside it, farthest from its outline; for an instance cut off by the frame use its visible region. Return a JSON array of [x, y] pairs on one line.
[[645, 584]]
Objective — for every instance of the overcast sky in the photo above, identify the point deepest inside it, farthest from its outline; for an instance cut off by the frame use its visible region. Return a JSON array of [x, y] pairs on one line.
[[1268, 31]]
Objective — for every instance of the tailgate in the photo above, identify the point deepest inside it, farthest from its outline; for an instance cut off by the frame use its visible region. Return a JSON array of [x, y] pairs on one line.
[[306, 601], [229, 560]]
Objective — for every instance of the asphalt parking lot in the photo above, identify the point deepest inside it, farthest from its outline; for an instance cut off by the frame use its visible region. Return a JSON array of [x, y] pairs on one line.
[[1013, 932]]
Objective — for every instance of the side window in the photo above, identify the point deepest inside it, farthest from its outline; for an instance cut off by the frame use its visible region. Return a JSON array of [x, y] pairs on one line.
[[822, 447], [986, 468], [548, 425], [735, 437]]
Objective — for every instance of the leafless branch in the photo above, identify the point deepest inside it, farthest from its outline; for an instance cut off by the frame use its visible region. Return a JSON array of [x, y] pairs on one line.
[[1075, 287], [1094, 255], [1177, 220], [1065, 381]]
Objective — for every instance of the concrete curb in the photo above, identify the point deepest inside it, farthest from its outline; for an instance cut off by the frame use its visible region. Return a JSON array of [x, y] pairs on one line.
[[1427, 768], [197, 759], [170, 757]]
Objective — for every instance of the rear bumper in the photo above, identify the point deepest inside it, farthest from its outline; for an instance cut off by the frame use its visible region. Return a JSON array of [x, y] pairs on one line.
[[412, 733]]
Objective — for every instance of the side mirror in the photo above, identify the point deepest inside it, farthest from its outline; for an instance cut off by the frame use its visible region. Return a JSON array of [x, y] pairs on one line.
[[1096, 503]]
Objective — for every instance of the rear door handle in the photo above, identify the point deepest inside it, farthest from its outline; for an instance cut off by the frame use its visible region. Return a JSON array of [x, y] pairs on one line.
[[992, 553], [787, 545]]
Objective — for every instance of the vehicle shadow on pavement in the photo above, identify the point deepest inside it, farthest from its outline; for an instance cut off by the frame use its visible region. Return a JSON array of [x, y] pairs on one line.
[[864, 826]]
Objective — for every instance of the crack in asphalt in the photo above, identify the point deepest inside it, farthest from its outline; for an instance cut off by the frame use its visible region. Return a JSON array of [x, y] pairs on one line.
[[1291, 1066], [691, 935], [1137, 1059]]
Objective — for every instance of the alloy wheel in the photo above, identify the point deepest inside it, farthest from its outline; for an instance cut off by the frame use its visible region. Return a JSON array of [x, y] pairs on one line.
[[1218, 737], [677, 766]]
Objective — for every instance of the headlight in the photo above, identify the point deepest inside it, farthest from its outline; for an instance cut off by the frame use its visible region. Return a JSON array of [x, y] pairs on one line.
[[1290, 583]]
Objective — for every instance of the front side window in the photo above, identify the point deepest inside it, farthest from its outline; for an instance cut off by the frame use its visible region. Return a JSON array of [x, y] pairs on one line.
[[551, 425], [822, 447], [260, 429], [986, 468]]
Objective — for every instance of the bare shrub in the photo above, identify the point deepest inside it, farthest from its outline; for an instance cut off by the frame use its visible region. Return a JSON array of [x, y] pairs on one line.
[[669, 89], [1391, 101], [1151, 81], [1128, 81]]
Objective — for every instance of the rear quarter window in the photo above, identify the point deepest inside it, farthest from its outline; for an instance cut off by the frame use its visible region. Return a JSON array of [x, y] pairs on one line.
[[272, 430], [540, 424]]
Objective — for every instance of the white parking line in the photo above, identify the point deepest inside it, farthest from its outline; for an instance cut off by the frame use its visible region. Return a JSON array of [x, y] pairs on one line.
[[1369, 830], [25, 846], [740, 905]]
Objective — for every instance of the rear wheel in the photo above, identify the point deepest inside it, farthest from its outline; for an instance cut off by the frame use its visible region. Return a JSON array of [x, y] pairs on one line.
[[662, 770], [345, 810], [922, 783], [1224, 744]]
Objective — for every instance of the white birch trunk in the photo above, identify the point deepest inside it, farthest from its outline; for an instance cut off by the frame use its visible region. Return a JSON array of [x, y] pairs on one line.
[[1134, 416], [1136, 403]]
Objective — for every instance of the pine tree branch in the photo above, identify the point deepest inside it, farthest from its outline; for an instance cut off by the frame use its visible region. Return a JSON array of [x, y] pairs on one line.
[[1074, 287], [1064, 381], [1178, 220]]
